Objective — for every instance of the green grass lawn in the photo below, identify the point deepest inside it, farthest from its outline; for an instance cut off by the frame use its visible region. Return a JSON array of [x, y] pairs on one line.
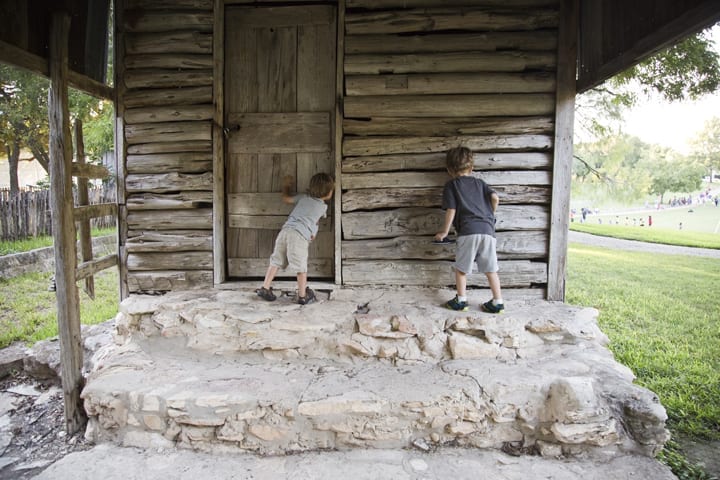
[[698, 227], [702, 219], [662, 315], [28, 311]]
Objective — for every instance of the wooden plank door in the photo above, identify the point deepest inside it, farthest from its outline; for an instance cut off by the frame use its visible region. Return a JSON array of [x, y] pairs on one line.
[[279, 111]]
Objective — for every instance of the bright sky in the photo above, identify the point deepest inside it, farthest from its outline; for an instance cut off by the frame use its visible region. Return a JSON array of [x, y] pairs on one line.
[[673, 124]]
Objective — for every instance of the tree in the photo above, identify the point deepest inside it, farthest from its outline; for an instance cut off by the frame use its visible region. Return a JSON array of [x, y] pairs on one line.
[[689, 69], [24, 119], [675, 175], [706, 146]]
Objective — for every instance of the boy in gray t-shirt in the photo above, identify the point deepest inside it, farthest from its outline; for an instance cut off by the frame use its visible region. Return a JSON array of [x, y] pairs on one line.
[[470, 205], [293, 241]]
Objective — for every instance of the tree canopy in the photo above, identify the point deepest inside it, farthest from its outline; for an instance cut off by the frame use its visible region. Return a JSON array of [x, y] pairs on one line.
[[24, 119]]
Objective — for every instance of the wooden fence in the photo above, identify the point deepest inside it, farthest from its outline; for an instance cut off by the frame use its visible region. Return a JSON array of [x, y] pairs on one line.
[[27, 214]]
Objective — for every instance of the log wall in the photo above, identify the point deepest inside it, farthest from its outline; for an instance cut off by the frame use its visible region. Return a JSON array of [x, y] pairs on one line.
[[422, 76], [167, 108]]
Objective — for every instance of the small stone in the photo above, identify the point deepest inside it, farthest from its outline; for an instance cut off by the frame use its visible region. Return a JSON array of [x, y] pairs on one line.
[[421, 444]]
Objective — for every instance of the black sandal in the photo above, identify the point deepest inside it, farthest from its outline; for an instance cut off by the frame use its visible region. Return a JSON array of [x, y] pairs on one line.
[[266, 294], [308, 298]]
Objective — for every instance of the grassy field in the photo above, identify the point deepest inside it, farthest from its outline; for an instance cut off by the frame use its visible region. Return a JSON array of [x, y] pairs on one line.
[[25, 245], [28, 309], [696, 218]]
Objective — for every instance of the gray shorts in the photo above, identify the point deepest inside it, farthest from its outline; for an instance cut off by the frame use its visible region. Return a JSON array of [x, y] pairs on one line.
[[291, 251], [478, 249]]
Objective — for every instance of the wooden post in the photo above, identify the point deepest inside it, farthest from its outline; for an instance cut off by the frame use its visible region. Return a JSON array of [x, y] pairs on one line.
[[83, 199], [63, 225], [338, 136], [219, 253], [562, 166]]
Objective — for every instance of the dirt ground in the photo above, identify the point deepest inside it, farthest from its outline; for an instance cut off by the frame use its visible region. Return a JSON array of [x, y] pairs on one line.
[[32, 427]]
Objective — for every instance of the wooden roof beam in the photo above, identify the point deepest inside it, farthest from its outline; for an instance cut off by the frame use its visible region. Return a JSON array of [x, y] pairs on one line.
[[16, 56]]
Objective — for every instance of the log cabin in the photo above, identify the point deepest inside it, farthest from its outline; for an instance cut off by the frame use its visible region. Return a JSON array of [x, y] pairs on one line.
[[217, 100]]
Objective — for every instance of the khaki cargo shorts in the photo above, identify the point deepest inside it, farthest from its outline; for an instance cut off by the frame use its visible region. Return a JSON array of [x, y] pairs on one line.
[[291, 251]]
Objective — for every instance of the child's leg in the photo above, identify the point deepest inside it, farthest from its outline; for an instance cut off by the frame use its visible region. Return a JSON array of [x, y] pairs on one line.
[[302, 283], [460, 283], [269, 276], [494, 281]]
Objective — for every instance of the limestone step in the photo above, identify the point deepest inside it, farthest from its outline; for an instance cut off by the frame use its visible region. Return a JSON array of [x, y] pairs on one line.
[[154, 393], [399, 325], [115, 463]]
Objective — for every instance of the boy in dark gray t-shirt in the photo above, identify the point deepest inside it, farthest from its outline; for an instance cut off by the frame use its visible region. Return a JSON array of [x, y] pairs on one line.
[[470, 205], [293, 241]]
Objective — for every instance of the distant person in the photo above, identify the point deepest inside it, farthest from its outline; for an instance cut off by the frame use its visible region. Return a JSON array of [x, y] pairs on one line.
[[470, 205], [680, 226], [649, 220], [717, 200]]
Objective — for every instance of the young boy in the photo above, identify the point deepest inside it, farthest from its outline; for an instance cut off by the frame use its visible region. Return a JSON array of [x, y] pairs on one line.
[[293, 241], [470, 205]]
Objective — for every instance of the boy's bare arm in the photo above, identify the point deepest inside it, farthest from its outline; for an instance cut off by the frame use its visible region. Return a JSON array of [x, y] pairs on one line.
[[287, 189], [449, 217], [494, 201]]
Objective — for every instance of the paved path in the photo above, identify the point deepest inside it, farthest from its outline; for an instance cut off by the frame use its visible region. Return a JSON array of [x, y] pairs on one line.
[[619, 244]]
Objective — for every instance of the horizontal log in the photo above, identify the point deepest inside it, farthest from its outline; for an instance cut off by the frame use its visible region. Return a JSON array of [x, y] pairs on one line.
[[168, 42], [150, 241], [171, 201], [449, 83], [187, 162], [169, 4], [501, 105], [170, 96], [14, 55], [377, 198], [164, 281], [193, 219], [513, 273], [384, 4], [178, 113], [89, 170], [168, 182], [510, 245], [449, 62], [193, 146], [444, 42], [289, 132], [256, 267], [86, 212], [179, 61], [168, 132], [170, 261], [428, 221], [440, 19], [436, 161], [437, 179], [153, 21], [91, 267], [354, 146], [269, 222], [148, 78], [442, 127]]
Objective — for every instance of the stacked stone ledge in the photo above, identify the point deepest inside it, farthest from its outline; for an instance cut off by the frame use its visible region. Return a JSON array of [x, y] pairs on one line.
[[223, 371]]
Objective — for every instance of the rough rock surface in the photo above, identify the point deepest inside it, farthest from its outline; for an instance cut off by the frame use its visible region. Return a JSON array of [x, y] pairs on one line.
[[223, 371]]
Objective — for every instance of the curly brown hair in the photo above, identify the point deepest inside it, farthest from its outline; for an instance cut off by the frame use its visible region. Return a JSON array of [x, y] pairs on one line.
[[458, 160], [321, 184]]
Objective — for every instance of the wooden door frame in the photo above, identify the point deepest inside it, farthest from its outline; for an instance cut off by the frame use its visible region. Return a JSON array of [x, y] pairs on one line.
[[220, 273]]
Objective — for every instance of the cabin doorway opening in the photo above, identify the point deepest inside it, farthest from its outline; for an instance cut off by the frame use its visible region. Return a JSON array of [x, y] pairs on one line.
[[279, 107]]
